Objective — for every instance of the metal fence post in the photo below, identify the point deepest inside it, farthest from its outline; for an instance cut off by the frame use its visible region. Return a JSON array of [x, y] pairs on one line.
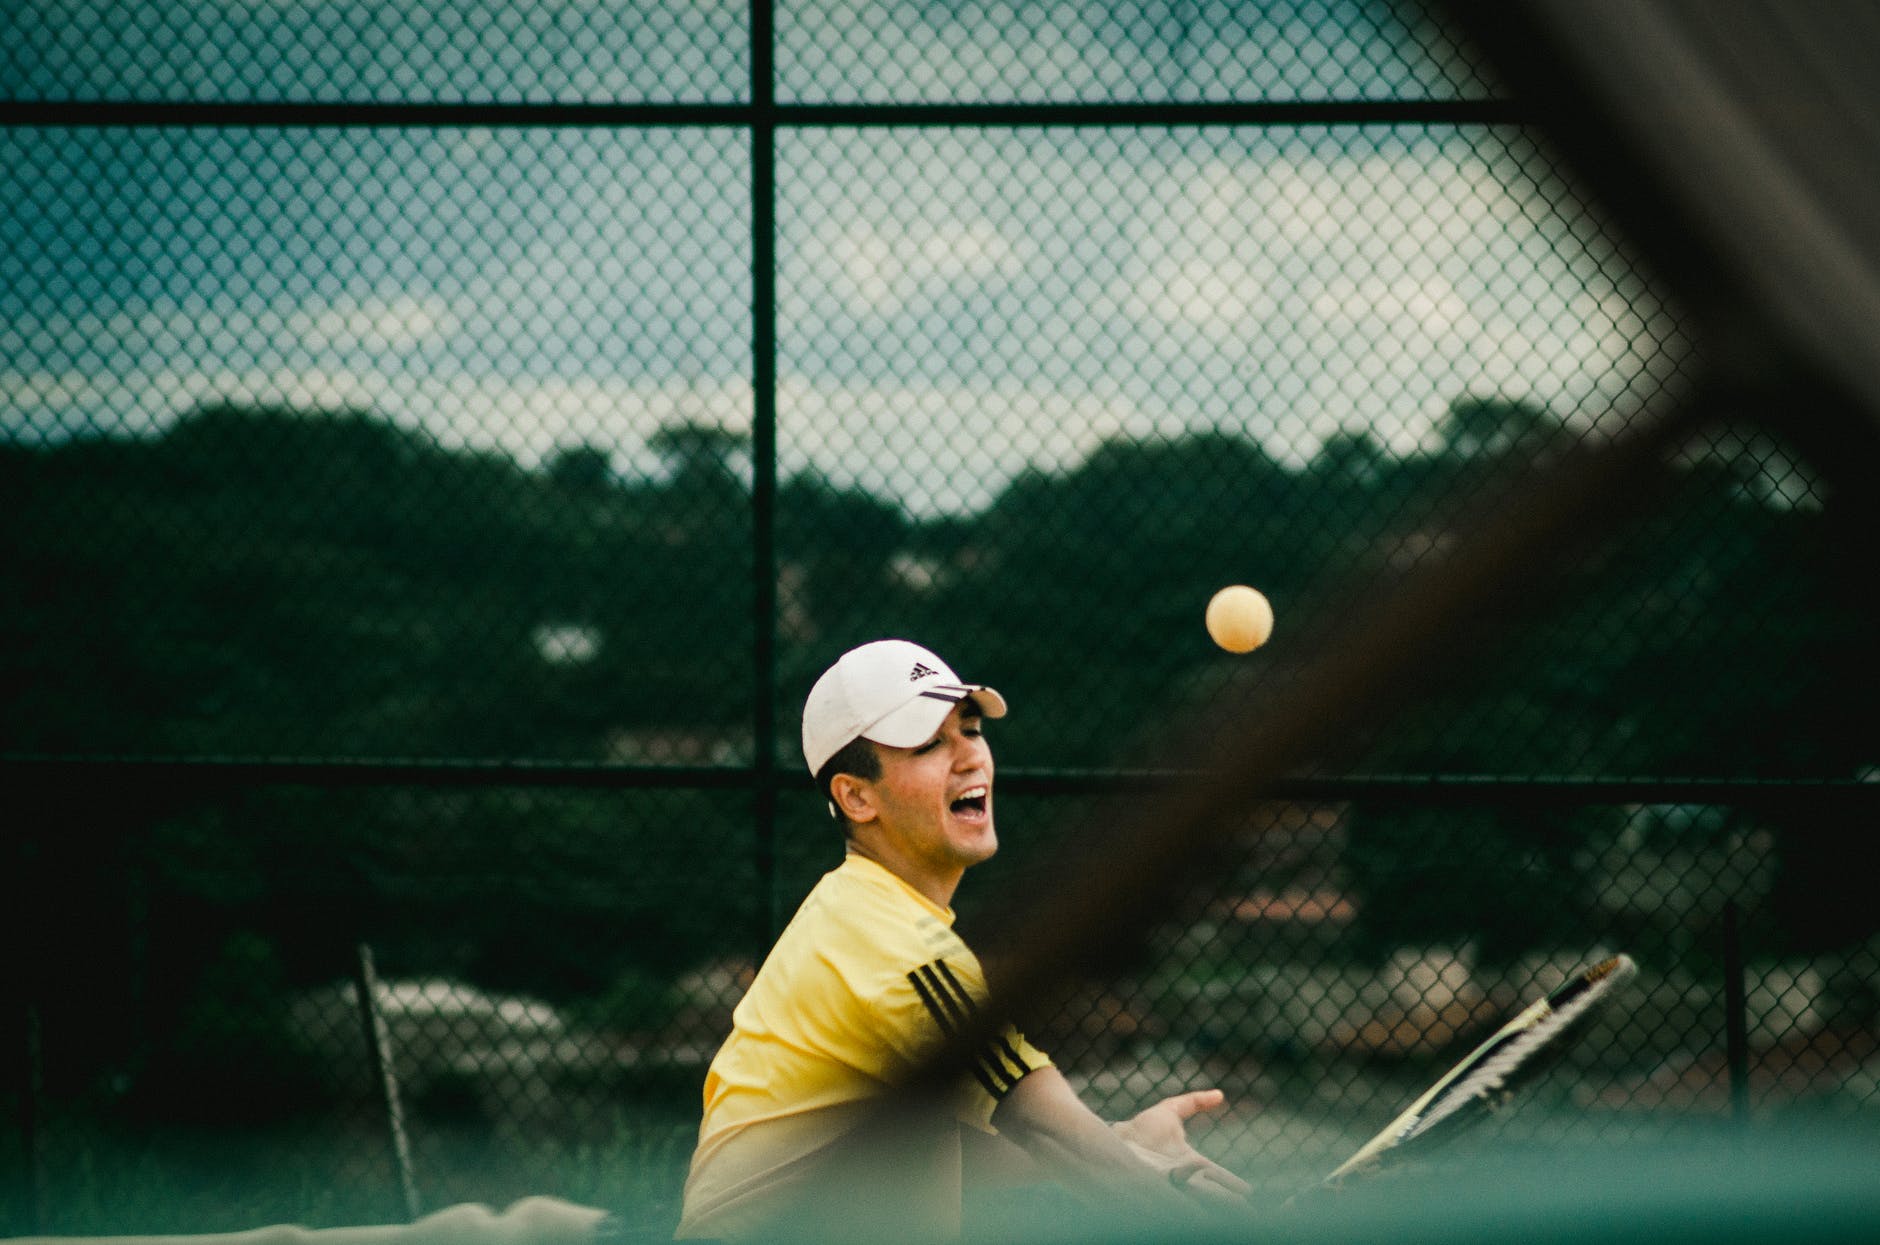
[[764, 461], [32, 1082], [385, 1077], [1736, 1014], [30, 1211]]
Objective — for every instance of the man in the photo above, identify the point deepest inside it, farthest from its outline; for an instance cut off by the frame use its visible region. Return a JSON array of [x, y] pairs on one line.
[[868, 982]]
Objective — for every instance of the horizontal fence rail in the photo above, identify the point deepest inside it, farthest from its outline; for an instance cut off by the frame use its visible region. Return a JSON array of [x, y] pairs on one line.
[[211, 774]]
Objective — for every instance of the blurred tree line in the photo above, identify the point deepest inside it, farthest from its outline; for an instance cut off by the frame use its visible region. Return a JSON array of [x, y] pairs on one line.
[[268, 583]]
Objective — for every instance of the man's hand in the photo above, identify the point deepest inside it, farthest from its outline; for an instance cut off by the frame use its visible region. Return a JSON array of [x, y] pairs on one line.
[[1143, 1163], [1159, 1137]]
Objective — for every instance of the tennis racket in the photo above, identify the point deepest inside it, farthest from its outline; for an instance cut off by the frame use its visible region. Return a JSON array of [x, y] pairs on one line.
[[1487, 1075]]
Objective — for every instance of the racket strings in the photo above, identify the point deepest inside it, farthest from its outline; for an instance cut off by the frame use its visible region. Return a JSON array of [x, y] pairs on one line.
[[1484, 1079], [1521, 1039]]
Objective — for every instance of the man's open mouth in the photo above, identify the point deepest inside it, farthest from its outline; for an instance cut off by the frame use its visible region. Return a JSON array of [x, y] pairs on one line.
[[972, 801]]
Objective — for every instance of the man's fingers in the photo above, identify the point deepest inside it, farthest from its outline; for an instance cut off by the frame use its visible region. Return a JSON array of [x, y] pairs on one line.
[[1200, 1175], [1211, 1184], [1187, 1106], [1220, 1176]]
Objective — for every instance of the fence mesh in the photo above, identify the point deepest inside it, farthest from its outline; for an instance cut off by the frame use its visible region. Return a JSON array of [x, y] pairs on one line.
[[555, 969], [351, 440]]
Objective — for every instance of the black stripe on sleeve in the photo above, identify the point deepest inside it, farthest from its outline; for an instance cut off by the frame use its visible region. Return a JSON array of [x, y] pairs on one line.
[[933, 1004], [955, 994], [953, 983], [1005, 1045], [931, 992], [994, 1055], [958, 1004]]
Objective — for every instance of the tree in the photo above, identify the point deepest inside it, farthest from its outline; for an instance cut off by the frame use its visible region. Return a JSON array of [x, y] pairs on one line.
[[581, 469], [704, 463], [1476, 427]]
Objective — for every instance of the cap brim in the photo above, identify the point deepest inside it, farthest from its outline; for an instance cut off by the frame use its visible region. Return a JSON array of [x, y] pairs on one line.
[[915, 722]]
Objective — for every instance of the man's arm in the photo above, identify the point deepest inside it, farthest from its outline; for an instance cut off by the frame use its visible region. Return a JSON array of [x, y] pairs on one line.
[[1145, 1159]]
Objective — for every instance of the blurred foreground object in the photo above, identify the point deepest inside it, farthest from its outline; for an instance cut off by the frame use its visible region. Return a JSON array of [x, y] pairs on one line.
[[530, 1221], [1809, 1182], [1735, 141]]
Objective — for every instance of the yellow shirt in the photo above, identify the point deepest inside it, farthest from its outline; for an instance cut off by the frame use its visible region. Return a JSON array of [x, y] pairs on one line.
[[866, 982]]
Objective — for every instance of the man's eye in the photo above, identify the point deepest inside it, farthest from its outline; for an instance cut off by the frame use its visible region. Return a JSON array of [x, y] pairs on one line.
[[929, 746]]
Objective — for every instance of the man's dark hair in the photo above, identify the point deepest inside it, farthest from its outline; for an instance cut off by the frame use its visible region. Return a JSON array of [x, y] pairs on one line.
[[857, 757]]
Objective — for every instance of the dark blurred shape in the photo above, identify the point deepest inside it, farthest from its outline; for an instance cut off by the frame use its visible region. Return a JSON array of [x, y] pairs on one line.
[[1803, 1183], [1738, 143]]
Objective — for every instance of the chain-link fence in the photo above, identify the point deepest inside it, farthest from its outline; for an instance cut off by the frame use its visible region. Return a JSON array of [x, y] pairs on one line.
[[439, 449]]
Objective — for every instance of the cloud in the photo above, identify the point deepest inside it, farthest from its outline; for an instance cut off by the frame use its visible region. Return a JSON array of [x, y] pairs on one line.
[[936, 449], [946, 448], [957, 308], [884, 267], [400, 323], [1213, 297], [1343, 287], [525, 418]]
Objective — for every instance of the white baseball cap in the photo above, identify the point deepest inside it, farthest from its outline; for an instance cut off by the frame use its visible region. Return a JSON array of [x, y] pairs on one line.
[[891, 691]]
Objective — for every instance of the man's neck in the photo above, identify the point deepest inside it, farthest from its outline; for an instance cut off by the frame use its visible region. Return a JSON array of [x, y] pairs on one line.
[[939, 886]]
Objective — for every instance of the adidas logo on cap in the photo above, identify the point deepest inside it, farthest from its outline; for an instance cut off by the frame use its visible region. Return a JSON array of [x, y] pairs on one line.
[[920, 672]]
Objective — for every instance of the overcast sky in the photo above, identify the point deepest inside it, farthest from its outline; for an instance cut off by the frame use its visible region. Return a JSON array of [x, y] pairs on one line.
[[954, 305]]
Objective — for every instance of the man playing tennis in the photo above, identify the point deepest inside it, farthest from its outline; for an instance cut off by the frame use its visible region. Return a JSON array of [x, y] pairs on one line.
[[869, 980]]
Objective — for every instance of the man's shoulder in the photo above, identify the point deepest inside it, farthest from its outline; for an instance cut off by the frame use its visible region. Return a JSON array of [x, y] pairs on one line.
[[853, 909]]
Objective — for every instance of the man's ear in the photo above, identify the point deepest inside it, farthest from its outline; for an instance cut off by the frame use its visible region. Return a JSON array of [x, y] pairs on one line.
[[854, 798]]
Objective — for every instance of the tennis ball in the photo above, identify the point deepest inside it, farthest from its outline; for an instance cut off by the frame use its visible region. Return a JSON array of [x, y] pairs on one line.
[[1239, 618]]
